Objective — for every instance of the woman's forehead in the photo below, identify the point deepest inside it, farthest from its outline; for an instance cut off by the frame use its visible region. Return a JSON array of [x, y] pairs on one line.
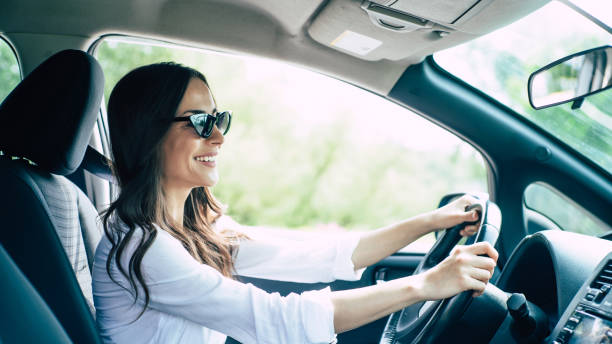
[[197, 97]]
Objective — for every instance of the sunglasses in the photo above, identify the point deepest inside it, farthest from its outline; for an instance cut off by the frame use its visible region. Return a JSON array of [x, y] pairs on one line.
[[203, 123]]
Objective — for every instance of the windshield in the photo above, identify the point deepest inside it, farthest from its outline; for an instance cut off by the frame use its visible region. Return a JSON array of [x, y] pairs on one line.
[[600, 10], [499, 64]]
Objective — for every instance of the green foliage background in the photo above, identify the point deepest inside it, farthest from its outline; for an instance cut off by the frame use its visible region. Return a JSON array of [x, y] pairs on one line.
[[9, 70]]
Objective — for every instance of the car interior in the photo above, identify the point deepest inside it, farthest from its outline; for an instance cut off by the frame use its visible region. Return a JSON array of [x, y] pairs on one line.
[[551, 284]]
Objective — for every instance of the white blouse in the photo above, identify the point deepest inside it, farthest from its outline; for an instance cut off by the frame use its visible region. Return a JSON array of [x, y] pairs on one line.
[[193, 303]]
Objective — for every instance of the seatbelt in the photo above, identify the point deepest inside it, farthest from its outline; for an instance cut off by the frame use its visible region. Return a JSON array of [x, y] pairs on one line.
[[97, 164]]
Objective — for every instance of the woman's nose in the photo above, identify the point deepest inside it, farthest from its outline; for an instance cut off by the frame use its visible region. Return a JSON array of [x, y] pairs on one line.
[[216, 137]]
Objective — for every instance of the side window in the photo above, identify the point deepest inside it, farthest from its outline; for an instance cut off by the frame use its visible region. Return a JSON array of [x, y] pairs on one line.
[[558, 208], [309, 152], [9, 69]]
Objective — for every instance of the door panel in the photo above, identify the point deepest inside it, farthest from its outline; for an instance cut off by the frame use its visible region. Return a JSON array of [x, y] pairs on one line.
[[395, 266]]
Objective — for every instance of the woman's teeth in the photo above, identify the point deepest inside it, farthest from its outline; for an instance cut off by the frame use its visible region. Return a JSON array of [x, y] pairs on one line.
[[206, 158]]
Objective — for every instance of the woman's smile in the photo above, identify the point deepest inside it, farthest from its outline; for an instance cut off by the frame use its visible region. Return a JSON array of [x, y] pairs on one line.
[[209, 160]]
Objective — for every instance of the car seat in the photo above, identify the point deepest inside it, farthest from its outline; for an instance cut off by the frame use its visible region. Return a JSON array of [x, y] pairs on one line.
[[47, 224], [24, 310]]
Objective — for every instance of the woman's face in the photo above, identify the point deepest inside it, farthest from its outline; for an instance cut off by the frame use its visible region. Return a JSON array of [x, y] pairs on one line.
[[184, 151]]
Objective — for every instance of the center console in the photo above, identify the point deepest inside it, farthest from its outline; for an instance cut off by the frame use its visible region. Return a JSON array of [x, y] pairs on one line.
[[588, 319]]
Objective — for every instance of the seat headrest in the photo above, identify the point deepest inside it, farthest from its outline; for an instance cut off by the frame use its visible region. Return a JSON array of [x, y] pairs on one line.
[[48, 118]]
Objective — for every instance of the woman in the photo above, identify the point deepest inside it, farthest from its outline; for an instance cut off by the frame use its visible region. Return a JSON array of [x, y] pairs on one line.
[[163, 271]]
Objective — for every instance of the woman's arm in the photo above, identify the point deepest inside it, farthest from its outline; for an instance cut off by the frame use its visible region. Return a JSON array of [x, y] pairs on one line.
[[385, 241], [462, 270]]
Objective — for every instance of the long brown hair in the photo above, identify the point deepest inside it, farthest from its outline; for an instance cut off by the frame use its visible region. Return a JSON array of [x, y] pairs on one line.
[[140, 110]]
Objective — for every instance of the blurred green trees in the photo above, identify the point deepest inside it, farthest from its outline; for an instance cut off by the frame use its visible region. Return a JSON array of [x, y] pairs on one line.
[[9, 70]]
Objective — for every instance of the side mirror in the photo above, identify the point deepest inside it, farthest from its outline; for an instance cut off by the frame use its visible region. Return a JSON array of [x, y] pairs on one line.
[[571, 78]]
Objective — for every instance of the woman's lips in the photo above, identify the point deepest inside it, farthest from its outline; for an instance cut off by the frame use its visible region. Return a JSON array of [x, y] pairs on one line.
[[207, 160]]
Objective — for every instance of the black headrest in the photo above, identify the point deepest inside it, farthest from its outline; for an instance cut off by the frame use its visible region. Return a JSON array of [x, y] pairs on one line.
[[48, 118]]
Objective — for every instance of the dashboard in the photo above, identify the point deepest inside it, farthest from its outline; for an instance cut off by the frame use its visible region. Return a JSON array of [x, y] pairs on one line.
[[568, 277], [588, 319]]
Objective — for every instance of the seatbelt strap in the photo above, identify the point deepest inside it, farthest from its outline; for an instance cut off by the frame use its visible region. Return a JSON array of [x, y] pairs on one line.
[[97, 164]]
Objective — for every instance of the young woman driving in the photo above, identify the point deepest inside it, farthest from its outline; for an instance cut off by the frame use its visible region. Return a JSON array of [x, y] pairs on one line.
[[163, 271]]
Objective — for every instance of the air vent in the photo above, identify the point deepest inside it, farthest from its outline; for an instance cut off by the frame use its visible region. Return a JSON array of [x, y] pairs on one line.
[[604, 277]]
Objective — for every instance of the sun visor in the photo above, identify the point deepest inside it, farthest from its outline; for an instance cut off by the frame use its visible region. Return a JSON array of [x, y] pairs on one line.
[[393, 29]]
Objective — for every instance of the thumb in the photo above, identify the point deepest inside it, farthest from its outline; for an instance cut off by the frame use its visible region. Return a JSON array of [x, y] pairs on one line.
[[470, 216]]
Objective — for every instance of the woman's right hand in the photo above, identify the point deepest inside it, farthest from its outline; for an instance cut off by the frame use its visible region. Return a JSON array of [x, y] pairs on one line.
[[466, 268]]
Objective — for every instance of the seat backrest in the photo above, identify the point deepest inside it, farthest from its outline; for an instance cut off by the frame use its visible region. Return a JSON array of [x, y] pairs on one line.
[[47, 225], [26, 309]]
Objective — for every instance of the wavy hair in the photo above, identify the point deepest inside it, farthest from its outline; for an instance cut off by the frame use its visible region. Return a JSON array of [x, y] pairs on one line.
[[140, 110]]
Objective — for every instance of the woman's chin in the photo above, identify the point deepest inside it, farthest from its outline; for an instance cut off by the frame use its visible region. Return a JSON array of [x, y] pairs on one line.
[[211, 179]]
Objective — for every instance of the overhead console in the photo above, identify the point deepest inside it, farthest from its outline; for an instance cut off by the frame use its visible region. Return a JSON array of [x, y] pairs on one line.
[[588, 319], [422, 14], [410, 29]]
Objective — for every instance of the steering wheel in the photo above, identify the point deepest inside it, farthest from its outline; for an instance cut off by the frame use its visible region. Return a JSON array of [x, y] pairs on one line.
[[424, 322]]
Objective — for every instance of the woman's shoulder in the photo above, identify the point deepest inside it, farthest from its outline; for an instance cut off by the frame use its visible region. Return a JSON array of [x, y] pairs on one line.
[[164, 256], [118, 229], [158, 242]]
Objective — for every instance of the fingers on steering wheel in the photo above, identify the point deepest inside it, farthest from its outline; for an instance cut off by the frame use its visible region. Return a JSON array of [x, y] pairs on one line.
[[479, 279], [486, 263], [476, 285], [484, 248], [481, 275], [471, 219], [469, 230], [472, 215]]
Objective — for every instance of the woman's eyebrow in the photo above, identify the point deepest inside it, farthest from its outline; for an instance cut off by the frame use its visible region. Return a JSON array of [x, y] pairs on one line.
[[214, 111]]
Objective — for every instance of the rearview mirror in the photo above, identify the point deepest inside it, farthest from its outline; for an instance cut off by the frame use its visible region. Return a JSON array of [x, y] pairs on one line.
[[571, 78]]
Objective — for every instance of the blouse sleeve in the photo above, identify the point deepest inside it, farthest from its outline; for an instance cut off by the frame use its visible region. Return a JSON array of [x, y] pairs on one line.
[[305, 258], [181, 286]]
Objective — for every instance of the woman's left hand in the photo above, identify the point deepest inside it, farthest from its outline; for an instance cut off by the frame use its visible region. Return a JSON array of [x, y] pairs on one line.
[[454, 213]]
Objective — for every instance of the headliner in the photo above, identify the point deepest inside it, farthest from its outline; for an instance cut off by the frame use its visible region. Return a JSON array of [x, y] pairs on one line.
[[299, 32]]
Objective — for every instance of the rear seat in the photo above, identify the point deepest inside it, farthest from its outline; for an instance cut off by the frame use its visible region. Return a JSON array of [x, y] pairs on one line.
[[48, 225]]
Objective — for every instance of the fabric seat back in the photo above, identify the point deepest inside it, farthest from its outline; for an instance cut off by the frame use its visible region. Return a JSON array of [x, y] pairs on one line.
[[48, 225], [26, 308]]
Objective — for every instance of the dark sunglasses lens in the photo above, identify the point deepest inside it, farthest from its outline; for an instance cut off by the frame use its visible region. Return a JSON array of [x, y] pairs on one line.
[[201, 123], [223, 121]]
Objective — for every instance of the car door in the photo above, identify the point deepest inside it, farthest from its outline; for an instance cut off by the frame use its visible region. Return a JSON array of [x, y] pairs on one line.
[[398, 265]]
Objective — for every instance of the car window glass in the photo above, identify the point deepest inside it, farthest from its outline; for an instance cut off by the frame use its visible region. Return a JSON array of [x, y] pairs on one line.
[[561, 210], [306, 151], [499, 64], [9, 69]]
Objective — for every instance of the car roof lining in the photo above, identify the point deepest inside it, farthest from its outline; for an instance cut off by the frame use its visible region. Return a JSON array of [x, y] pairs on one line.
[[294, 31]]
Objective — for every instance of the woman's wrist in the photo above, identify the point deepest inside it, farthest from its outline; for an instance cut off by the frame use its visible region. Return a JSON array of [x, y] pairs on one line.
[[417, 287], [430, 221], [412, 289]]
